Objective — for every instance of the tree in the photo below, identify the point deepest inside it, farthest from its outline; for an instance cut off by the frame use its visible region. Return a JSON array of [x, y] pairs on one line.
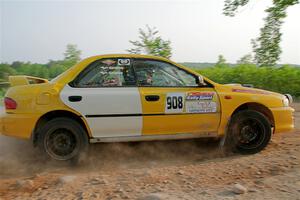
[[16, 65], [267, 46], [33, 69], [150, 43], [72, 54], [56, 69], [5, 71], [246, 59], [221, 61]]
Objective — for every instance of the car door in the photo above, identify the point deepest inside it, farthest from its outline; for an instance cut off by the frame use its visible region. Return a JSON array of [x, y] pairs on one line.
[[106, 95], [173, 102]]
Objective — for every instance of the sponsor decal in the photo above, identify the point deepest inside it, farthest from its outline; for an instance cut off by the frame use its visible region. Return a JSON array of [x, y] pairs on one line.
[[249, 91], [124, 61], [112, 73], [191, 102], [111, 68], [200, 102], [108, 62], [200, 96], [201, 106]]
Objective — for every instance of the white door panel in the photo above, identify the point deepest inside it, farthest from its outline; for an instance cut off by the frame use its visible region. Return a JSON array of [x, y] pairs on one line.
[[109, 112], [100, 101], [116, 126]]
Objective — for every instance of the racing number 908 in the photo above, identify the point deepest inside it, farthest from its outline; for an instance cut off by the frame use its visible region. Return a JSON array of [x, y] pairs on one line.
[[175, 102]]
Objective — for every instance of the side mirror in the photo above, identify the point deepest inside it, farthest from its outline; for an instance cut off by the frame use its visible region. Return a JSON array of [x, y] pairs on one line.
[[201, 80]]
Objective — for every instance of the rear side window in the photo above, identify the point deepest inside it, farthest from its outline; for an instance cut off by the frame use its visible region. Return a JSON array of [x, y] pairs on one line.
[[115, 72]]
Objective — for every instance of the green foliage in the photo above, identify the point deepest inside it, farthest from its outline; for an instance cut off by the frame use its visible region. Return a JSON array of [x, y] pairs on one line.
[[285, 79], [246, 59], [2, 92], [231, 6], [48, 71], [151, 44], [267, 46], [221, 61], [197, 65], [57, 67], [52, 68], [30, 69], [5, 71], [72, 54]]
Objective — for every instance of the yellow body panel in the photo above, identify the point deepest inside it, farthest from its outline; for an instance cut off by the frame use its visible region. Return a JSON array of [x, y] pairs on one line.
[[18, 125], [284, 120], [35, 100], [176, 122], [243, 95]]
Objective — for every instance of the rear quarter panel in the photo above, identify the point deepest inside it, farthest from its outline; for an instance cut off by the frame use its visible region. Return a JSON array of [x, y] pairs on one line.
[[33, 101]]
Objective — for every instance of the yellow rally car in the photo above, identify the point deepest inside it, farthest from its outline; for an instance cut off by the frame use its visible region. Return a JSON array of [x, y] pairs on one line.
[[118, 98]]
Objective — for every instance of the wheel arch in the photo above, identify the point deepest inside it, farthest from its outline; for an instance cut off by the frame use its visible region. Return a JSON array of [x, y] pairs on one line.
[[54, 114], [257, 107]]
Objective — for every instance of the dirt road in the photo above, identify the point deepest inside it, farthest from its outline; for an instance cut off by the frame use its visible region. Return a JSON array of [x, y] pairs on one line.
[[155, 170]]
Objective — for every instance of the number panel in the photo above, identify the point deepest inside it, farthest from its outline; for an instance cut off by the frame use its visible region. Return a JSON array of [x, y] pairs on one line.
[[174, 102]]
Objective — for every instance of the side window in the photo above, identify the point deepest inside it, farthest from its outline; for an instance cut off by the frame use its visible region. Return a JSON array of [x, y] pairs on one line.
[[114, 72], [162, 74]]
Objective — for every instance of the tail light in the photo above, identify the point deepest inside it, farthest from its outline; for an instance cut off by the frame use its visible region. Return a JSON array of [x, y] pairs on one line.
[[10, 103]]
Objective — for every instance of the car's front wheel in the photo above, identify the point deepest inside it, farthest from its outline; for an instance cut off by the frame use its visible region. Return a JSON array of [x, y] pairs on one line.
[[63, 139], [249, 132]]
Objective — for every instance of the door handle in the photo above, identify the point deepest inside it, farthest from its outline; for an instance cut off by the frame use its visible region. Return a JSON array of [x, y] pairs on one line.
[[75, 98], [152, 97]]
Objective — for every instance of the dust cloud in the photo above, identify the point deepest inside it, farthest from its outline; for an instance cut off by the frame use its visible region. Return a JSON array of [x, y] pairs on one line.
[[20, 158], [16, 156]]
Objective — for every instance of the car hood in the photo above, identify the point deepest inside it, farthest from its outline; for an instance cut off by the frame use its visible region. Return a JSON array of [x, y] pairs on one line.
[[235, 87]]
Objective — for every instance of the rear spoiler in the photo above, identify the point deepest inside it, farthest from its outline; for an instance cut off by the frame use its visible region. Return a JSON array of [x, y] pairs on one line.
[[25, 80]]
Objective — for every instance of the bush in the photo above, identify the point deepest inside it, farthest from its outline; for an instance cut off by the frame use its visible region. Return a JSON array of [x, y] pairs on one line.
[[2, 93], [285, 79]]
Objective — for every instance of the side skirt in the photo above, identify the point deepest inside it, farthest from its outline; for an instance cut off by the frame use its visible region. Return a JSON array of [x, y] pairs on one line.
[[153, 137]]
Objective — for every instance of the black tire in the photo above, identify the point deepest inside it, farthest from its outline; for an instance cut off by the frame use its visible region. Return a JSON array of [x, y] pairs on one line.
[[63, 139], [249, 132]]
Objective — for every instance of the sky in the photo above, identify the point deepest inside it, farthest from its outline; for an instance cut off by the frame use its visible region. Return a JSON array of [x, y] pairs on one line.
[[38, 31]]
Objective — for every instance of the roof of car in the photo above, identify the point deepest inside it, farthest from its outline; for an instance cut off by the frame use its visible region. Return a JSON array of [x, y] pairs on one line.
[[128, 56]]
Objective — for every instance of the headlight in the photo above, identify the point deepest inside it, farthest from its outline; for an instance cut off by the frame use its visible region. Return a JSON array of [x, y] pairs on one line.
[[290, 98], [287, 100]]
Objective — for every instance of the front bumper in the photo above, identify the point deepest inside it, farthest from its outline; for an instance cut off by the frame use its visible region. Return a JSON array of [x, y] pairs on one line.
[[17, 125], [283, 118]]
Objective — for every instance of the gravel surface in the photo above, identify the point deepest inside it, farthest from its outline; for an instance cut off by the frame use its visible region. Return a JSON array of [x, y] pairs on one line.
[[191, 169]]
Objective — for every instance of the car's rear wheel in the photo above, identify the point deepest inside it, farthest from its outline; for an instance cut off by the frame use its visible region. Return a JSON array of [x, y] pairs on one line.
[[249, 132], [63, 139]]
